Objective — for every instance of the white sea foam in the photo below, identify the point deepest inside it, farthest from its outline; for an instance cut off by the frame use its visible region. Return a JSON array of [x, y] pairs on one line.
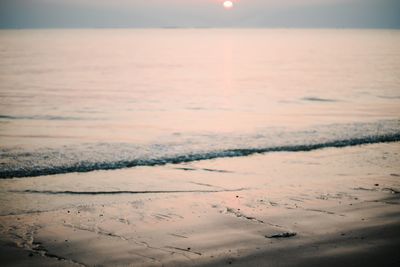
[[105, 156]]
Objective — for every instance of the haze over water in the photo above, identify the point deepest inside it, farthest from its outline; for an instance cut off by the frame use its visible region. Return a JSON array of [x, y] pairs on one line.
[[81, 100]]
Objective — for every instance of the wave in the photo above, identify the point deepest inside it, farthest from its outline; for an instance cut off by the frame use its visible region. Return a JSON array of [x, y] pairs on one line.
[[318, 99], [41, 117], [16, 162], [49, 192]]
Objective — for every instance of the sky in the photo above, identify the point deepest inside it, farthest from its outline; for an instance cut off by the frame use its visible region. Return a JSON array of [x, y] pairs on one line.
[[199, 13]]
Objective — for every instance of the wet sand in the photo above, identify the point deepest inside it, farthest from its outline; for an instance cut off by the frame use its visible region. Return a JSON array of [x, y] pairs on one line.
[[329, 207]]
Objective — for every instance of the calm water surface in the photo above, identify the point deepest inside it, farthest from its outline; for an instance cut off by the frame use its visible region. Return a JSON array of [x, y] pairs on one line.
[[80, 100]]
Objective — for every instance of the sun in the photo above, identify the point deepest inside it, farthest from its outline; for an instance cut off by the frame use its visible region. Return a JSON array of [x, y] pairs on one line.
[[228, 4]]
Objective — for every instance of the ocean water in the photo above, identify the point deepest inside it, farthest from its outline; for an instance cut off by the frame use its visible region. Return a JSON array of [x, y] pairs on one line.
[[84, 100]]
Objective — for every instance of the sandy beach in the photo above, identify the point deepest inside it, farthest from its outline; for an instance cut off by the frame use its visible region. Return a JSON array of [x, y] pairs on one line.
[[328, 207], [170, 133]]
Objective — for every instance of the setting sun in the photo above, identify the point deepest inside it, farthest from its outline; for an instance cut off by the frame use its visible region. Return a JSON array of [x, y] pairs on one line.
[[228, 4], [214, 133]]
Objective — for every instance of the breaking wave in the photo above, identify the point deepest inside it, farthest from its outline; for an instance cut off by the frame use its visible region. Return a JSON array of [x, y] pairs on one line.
[[16, 162]]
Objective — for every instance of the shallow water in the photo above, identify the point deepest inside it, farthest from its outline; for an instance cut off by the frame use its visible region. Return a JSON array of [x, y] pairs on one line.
[[81, 100]]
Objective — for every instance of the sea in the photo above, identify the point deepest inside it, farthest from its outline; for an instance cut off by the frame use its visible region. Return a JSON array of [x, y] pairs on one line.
[[101, 99]]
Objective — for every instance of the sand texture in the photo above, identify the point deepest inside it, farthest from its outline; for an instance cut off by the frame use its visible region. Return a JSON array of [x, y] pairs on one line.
[[329, 207]]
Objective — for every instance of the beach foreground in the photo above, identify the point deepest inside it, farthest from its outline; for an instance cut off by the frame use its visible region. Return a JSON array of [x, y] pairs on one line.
[[329, 207]]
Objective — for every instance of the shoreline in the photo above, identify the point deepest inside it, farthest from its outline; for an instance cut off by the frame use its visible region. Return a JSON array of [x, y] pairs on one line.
[[342, 204]]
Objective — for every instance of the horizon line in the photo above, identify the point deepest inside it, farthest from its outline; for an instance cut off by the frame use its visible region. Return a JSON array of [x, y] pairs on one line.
[[199, 27]]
